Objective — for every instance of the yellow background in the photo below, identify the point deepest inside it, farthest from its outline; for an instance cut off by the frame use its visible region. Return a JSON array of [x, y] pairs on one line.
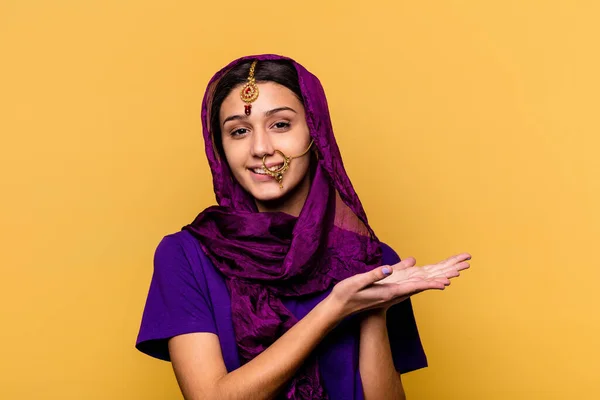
[[464, 125]]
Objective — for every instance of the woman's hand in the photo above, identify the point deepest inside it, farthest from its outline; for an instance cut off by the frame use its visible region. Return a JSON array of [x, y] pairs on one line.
[[388, 285]]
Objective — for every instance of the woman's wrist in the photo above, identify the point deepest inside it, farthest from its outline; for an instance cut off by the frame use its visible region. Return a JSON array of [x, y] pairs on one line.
[[334, 308]]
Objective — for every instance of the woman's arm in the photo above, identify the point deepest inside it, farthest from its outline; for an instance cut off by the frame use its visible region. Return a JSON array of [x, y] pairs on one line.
[[379, 377], [200, 369], [205, 376]]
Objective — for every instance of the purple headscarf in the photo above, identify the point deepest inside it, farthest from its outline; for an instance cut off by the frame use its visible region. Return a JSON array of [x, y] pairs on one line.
[[265, 256]]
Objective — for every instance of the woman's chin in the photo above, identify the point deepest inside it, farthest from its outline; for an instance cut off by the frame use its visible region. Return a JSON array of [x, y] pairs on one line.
[[268, 193], [269, 196]]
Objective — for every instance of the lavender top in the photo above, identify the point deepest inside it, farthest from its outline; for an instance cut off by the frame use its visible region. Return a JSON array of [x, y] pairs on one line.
[[188, 294]]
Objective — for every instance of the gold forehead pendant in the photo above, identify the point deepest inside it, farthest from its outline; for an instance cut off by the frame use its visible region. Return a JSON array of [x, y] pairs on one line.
[[277, 174], [249, 91]]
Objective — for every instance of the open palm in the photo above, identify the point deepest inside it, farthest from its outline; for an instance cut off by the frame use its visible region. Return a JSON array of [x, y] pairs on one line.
[[381, 289], [411, 279], [406, 272]]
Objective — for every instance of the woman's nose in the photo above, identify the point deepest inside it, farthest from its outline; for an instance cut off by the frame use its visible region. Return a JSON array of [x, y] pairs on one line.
[[261, 144]]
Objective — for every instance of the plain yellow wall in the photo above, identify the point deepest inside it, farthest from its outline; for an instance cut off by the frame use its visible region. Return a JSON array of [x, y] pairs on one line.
[[464, 125]]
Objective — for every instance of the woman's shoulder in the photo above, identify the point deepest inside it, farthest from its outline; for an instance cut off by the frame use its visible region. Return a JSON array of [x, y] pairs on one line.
[[179, 239], [179, 242], [182, 249], [183, 252]]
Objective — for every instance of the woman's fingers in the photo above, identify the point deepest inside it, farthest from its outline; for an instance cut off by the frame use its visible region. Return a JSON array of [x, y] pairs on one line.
[[412, 287], [450, 271], [449, 267], [455, 259], [415, 285], [406, 263], [426, 272]]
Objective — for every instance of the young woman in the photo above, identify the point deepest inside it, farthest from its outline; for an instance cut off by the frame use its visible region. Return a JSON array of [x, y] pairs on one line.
[[282, 290]]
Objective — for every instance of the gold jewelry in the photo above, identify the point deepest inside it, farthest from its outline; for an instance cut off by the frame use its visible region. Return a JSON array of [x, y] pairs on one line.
[[249, 91], [278, 173]]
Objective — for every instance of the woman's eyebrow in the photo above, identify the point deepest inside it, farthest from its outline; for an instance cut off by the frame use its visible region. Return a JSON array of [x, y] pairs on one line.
[[233, 117], [267, 114], [275, 110]]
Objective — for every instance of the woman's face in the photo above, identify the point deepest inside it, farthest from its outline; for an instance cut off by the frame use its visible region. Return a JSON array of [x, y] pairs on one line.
[[277, 122]]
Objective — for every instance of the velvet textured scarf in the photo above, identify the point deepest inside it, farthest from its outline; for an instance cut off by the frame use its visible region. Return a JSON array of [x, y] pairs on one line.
[[267, 256]]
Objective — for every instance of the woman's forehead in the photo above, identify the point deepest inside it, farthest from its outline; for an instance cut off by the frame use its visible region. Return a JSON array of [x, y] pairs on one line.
[[271, 95]]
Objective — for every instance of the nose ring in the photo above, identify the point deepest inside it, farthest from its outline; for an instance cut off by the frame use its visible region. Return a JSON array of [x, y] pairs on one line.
[[277, 174]]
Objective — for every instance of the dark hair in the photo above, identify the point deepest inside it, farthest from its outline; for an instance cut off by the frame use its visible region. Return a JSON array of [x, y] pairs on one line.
[[278, 71]]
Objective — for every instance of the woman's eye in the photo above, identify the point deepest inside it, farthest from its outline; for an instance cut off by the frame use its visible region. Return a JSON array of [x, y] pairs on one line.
[[239, 132], [281, 125]]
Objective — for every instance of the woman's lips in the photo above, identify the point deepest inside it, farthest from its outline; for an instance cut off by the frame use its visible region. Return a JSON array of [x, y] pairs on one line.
[[262, 177]]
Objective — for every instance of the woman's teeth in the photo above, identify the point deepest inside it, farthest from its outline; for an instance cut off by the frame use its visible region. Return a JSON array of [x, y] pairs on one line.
[[262, 171]]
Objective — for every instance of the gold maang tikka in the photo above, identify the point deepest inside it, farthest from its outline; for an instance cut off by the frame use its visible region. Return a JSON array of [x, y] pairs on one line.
[[249, 91], [278, 173]]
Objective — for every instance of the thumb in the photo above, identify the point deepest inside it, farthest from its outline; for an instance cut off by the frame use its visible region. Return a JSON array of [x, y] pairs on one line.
[[370, 277]]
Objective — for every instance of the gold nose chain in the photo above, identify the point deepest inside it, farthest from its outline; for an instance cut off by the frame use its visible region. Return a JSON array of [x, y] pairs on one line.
[[277, 174]]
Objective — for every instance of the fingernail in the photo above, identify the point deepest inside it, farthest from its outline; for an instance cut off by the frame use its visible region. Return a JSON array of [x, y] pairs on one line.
[[386, 270], [468, 258]]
